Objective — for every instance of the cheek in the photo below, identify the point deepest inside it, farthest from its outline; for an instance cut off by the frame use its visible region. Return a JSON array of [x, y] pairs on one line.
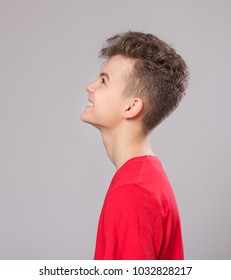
[[111, 106], [108, 113]]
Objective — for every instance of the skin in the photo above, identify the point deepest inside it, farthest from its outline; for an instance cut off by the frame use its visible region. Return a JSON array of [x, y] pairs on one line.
[[117, 116]]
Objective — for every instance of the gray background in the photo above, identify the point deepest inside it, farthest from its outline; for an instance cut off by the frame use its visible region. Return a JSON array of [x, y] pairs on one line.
[[54, 171]]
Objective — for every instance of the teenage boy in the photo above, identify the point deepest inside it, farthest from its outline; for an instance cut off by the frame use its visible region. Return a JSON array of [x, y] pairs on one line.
[[141, 83]]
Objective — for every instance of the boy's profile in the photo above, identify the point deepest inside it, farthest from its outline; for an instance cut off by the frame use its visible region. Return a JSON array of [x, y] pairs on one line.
[[141, 83]]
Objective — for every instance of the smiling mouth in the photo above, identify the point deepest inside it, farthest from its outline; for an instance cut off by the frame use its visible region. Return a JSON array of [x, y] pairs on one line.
[[90, 104]]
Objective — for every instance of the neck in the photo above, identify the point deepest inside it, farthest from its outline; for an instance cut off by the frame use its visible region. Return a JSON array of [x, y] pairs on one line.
[[123, 146]]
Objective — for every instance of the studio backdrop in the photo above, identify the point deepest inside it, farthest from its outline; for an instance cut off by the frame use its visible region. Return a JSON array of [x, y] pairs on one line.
[[54, 171]]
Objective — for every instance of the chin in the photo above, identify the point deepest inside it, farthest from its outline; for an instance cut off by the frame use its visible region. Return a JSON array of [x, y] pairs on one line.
[[84, 118]]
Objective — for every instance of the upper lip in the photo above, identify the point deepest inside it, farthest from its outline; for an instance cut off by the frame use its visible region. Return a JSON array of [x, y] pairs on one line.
[[90, 100]]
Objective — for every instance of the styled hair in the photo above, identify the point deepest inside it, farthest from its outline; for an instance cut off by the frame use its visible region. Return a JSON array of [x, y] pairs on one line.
[[159, 75]]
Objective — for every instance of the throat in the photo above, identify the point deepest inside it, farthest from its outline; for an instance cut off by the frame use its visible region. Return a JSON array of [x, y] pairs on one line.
[[121, 149]]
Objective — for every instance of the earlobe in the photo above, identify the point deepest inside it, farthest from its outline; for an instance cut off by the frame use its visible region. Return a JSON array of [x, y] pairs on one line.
[[133, 109]]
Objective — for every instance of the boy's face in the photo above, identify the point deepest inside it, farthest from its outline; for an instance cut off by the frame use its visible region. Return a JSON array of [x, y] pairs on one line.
[[106, 100]]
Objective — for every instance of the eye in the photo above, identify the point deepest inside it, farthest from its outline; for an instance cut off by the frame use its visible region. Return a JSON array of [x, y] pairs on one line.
[[103, 81]]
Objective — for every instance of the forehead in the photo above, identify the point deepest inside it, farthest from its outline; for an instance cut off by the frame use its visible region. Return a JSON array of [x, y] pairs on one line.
[[119, 67]]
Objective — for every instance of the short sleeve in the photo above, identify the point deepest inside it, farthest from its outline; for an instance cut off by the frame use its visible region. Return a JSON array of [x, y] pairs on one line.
[[130, 225]]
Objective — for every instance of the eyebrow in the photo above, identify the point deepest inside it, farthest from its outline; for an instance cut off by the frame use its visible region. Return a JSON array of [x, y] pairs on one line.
[[104, 74]]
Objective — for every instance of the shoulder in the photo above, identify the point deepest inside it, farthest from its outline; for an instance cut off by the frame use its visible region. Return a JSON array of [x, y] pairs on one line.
[[131, 197]]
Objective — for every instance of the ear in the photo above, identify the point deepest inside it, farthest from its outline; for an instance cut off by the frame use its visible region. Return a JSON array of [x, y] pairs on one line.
[[133, 108]]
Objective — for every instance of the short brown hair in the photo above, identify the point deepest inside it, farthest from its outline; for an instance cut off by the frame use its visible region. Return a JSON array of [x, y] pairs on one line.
[[159, 76]]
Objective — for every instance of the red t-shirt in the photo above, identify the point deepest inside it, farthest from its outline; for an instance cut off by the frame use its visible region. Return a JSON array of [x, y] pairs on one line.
[[139, 218]]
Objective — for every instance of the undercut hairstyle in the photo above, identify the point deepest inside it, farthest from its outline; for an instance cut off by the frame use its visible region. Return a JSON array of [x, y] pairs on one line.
[[159, 76]]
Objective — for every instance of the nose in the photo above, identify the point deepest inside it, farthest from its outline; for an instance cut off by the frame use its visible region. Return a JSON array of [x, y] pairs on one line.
[[90, 88]]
